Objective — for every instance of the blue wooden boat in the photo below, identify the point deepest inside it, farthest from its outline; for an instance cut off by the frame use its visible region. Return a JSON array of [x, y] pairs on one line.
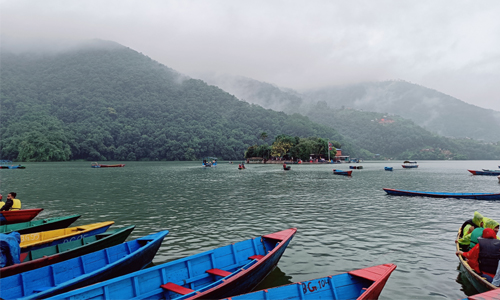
[[483, 172], [409, 164], [477, 196], [359, 284], [388, 168], [214, 274], [83, 270], [340, 172]]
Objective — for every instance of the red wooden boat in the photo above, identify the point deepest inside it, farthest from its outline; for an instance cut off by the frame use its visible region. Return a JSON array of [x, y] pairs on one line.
[[491, 295], [96, 165], [18, 216]]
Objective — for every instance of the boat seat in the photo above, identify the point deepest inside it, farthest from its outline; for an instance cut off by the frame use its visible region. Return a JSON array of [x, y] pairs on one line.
[[218, 272], [170, 286], [362, 291], [257, 257]]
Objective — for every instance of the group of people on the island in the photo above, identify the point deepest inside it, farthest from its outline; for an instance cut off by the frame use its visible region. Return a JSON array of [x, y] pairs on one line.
[[11, 204], [480, 246]]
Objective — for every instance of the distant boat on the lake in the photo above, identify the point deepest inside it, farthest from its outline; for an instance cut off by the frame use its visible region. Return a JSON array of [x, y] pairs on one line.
[[486, 173], [286, 168], [96, 165], [477, 196], [356, 167], [388, 168], [209, 162], [359, 284], [409, 164], [340, 172]]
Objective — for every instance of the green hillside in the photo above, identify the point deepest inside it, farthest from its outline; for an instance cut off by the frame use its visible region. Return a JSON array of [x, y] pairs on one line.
[[103, 101], [389, 135]]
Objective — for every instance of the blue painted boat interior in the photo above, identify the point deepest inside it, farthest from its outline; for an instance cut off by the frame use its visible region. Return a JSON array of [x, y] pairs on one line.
[[342, 286], [45, 278], [189, 272]]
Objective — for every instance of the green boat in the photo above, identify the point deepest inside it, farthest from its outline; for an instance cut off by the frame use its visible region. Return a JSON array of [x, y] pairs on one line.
[[39, 225], [53, 254]]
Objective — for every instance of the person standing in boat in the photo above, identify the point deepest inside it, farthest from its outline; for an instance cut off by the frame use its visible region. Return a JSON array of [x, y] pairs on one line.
[[12, 203]]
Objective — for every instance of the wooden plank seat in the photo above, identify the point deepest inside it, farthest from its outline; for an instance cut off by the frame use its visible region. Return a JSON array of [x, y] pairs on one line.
[[218, 272], [170, 286], [257, 257]]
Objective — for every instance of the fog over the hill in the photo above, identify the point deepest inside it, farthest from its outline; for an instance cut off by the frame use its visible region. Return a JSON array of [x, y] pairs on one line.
[[450, 46]]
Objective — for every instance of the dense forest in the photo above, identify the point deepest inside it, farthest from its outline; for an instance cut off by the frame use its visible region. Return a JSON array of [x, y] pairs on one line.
[[103, 101], [383, 135]]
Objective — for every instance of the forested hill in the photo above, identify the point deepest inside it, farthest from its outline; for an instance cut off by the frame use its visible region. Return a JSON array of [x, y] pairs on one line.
[[389, 135], [103, 101], [431, 109]]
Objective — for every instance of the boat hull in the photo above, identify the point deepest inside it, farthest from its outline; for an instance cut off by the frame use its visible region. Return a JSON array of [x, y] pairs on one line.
[[83, 270], [340, 172], [485, 173], [388, 168], [477, 196], [359, 284], [58, 253], [490, 295], [245, 264], [18, 216], [39, 225]]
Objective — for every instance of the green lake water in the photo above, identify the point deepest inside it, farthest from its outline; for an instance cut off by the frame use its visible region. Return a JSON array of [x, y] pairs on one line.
[[344, 223]]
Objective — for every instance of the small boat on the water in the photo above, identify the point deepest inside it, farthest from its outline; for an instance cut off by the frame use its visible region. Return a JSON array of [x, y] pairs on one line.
[[12, 167], [359, 284], [286, 167], [18, 216], [214, 274], [480, 283], [209, 162], [490, 295], [486, 173], [84, 270], [54, 254], [340, 172], [96, 165], [356, 167], [38, 240], [388, 168], [409, 164], [477, 196], [39, 225]]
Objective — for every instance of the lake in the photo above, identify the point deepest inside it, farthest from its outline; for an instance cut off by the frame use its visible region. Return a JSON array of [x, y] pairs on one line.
[[343, 223]]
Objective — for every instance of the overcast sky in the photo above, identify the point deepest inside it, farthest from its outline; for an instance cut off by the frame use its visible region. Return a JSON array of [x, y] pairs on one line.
[[450, 46]]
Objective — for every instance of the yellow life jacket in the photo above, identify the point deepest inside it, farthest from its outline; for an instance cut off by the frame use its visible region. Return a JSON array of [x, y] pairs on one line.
[[2, 204], [16, 205]]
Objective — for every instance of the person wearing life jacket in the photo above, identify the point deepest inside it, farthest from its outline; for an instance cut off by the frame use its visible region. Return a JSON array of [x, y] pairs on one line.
[[1, 202], [476, 221], [485, 255], [464, 241], [12, 203]]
